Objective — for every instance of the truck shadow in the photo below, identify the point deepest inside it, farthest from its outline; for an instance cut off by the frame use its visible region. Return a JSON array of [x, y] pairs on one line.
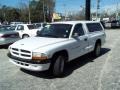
[[70, 67]]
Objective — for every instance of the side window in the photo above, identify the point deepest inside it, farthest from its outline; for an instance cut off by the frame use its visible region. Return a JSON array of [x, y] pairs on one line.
[[44, 24], [31, 27], [78, 30], [20, 27], [92, 27]]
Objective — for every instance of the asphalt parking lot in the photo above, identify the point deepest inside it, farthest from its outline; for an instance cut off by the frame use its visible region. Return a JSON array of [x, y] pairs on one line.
[[84, 73]]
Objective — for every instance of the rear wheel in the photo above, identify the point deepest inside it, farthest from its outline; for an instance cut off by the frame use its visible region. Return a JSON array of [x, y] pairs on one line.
[[97, 50], [25, 36]]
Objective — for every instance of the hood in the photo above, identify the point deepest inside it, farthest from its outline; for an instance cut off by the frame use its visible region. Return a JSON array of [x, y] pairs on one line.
[[33, 43], [7, 32]]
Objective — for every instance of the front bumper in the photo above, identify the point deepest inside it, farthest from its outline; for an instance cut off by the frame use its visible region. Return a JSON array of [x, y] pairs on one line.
[[29, 65]]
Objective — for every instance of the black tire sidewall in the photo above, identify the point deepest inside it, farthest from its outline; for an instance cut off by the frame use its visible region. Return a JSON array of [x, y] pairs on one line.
[[57, 65], [25, 36], [95, 50]]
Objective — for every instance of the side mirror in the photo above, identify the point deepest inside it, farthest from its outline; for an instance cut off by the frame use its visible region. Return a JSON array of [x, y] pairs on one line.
[[75, 35]]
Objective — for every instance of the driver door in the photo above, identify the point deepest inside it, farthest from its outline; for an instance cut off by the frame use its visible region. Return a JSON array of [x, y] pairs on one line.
[[79, 42]]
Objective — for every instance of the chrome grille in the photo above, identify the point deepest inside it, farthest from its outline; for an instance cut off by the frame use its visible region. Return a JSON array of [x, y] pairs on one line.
[[21, 53], [15, 49], [25, 51]]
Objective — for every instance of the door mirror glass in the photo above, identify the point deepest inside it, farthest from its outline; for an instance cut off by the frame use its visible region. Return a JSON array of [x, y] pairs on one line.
[[78, 31], [75, 35]]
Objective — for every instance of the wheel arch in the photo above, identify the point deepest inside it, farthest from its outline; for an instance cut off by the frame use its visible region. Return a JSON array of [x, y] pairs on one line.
[[98, 41], [25, 34], [62, 52]]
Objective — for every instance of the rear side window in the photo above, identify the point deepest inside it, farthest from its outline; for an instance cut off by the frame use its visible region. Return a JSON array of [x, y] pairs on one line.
[[38, 25], [92, 27], [31, 27]]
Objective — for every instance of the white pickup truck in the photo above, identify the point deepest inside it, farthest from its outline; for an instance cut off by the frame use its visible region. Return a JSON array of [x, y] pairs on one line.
[[56, 44]]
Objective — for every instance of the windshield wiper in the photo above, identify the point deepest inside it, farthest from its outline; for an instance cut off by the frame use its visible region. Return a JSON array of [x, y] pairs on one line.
[[47, 35], [50, 35]]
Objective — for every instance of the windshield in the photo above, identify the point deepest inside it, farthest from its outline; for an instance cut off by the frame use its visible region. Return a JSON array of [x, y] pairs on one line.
[[3, 28], [56, 31], [6, 28], [12, 28]]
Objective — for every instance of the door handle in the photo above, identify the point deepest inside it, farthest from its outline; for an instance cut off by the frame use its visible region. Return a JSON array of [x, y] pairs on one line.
[[85, 39]]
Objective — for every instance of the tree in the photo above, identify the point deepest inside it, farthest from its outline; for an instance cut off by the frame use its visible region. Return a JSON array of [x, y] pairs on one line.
[[42, 9], [49, 5], [78, 15], [13, 15], [37, 10]]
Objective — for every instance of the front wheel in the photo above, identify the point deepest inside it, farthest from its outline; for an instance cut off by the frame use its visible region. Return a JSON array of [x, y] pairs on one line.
[[58, 66]]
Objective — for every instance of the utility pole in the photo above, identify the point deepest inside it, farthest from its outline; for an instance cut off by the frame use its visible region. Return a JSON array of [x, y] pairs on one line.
[[29, 13], [44, 11], [98, 7], [116, 10], [87, 9], [4, 15], [65, 12]]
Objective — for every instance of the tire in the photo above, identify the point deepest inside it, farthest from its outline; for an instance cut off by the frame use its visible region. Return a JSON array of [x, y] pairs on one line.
[[58, 66], [25, 36], [97, 50]]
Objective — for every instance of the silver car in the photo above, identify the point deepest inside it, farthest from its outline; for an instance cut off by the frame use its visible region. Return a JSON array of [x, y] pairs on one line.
[[8, 36]]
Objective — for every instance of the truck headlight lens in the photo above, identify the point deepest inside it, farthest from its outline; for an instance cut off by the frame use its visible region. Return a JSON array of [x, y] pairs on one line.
[[39, 56]]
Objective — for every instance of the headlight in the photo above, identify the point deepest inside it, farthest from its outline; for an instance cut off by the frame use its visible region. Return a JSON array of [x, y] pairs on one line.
[[39, 56]]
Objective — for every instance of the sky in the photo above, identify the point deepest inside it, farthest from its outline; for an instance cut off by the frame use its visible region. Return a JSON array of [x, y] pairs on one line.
[[75, 5], [63, 6]]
